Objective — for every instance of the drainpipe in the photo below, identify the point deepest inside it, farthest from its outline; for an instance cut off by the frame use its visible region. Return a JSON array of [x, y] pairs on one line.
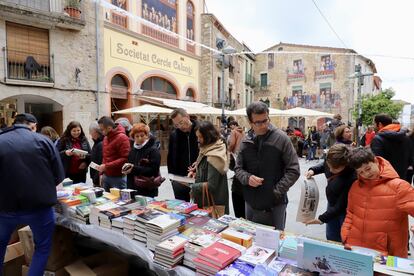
[[97, 57]]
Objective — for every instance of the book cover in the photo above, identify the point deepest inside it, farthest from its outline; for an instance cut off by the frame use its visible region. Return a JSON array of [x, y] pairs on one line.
[[172, 203], [328, 259], [256, 255], [290, 270], [238, 268], [214, 225], [200, 212], [227, 219], [163, 222], [400, 264], [219, 254], [116, 212], [83, 210], [201, 236], [276, 266], [186, 207], [148, 214], [238, 237], [205, 265], [197, 220]]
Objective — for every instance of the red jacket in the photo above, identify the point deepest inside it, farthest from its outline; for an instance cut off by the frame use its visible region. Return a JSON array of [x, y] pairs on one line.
[[116, 148], [377, 214]]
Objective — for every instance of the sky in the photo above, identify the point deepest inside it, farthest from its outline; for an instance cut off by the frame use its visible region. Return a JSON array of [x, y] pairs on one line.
[[372, 28]]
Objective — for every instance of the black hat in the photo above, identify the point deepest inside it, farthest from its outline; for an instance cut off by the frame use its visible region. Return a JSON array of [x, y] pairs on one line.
[[20, 118]]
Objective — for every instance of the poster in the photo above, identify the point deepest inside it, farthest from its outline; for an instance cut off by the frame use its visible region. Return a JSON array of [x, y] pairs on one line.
[[309, 200], [328, 259]]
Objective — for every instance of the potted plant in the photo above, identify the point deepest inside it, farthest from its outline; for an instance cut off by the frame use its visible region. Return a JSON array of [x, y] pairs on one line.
[[73, 8]]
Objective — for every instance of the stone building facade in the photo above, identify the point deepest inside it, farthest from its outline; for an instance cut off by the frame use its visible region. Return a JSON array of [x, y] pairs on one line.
[[238, 72], [48, 62], [312, 77]]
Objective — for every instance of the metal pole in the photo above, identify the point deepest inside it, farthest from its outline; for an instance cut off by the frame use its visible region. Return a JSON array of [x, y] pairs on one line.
[[222, 92], [359, 119]]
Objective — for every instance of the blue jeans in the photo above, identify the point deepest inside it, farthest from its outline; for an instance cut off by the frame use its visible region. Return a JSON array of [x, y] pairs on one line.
[[333, 228], [42, 224], [311, 152], [119, 182]]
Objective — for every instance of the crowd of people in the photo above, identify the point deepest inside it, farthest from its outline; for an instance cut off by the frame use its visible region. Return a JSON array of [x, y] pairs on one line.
[[369, 188]]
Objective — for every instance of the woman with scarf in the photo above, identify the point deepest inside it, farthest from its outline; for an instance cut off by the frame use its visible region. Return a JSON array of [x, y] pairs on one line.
[[343, 135], [75, 164], [144, 159], [211, 167]]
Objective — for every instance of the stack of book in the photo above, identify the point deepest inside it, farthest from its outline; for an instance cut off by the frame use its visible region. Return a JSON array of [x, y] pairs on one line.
[[238, 237], [143, 216], [198, 239], [129, 225], [186, 207], [118, 225], [245, 226], [170, 252], [217, 256], [95, 211], [106, 216], [160, 229]]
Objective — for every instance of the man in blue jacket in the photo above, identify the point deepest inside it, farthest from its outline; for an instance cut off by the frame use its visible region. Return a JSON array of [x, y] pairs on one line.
[[30, 169]]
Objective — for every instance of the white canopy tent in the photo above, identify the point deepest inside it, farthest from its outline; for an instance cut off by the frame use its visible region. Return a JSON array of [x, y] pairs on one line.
[[242, 112], [304, 112], [145, 109]]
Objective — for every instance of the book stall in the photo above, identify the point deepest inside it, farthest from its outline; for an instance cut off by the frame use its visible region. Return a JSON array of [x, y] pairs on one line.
[[176, 238]]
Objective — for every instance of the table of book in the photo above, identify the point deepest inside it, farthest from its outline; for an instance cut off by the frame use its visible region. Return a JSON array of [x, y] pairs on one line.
[[122, 243]]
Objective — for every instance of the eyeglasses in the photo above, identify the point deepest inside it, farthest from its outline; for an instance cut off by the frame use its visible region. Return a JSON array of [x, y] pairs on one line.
[[260, 123]]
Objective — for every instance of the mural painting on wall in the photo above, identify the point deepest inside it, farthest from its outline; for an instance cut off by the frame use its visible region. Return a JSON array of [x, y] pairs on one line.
[[119, 3], [161, 12], [190, 20], [324, 100], [298, 67], [327, 63]]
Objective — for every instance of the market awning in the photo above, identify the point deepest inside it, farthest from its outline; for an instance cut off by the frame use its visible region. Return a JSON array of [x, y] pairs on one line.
[[304, 112], [242, 112], [169, 103], [144, 109]]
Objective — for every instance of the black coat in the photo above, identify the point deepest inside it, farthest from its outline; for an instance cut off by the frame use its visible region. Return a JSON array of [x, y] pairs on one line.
[[394, 146], [272, 157], [96, 157], [182, 151], [336, 190], [151, 153], [66, 144], [30, 169]]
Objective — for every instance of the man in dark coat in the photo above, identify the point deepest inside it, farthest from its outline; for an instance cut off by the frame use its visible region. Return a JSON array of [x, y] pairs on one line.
[[96, 152], [392, 143], [267, 166], [182, 150], [30, 169]]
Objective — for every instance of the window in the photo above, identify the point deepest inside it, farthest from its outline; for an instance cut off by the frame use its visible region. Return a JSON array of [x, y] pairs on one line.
[[119, 87], [327, 63], [263, 80], [161, 12], [326, 98], [159, 85], [270, 61], [28, 56], [298, 67], [190, 20], [297, 97], [116, 17]]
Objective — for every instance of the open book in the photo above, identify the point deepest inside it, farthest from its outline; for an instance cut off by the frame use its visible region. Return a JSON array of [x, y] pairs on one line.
[[180, 178]]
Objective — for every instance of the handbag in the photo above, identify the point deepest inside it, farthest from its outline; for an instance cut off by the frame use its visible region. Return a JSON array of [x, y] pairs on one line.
[[148, 182], [215, 211]]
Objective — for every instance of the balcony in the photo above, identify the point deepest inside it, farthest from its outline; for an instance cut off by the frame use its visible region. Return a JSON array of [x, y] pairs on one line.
[[119, 19], [159, 35], [28, 68], [325, 74], [45, 13]]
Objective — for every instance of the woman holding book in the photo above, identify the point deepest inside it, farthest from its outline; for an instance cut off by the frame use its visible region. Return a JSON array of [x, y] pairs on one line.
[[143, 161], [210, 168], [74, 150]]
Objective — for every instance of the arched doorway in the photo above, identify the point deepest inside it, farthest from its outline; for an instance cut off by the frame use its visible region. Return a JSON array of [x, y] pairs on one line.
[[47, 111], [120, 88], [189, 95], [297, 122], [159, 87]]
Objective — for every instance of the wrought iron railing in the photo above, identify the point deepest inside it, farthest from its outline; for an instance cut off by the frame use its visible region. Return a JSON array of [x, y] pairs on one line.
[[28, 66]]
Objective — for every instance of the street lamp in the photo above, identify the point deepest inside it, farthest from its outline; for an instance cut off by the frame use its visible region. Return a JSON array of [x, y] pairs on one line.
[[228, 50]]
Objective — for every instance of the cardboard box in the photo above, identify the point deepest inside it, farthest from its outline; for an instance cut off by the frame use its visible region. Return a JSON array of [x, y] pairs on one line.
[[62, 252], [101, 264], [60, 272], [13, 251]]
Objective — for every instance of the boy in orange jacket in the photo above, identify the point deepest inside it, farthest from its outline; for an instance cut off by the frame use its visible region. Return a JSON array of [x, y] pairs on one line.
[[379, 203]]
